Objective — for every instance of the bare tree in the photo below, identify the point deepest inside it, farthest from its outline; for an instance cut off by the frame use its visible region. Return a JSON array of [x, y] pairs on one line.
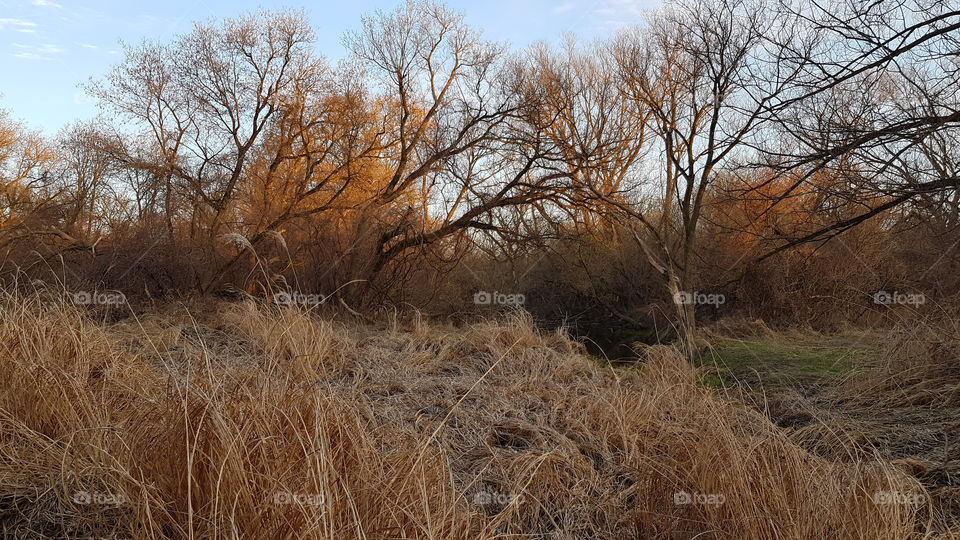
[[83, 173], [702, 75], [210, 105], [30, 206], [877, 106], [466, 129]]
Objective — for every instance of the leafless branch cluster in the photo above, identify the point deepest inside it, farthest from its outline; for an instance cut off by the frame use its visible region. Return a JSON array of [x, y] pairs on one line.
[[236, 156]]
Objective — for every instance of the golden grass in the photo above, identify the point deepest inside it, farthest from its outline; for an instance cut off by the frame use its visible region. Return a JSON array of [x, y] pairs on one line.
[[920, 366], [266, 423]]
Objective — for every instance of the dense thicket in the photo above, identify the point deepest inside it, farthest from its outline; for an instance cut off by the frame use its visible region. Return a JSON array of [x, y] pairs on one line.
[[797, 159]]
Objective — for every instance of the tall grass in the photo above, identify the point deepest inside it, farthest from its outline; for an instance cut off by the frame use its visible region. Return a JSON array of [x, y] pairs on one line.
[[266, 423], [920, 366]]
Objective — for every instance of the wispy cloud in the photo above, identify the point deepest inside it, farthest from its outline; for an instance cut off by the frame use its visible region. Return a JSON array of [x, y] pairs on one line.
[[612, 14], [631, 8], [46, 3], [49, 49], [601, 17], [45, 51], [18, 25]]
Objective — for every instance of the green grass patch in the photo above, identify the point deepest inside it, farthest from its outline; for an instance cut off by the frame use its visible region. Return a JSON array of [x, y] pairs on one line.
[[730, 361], [710, 380]]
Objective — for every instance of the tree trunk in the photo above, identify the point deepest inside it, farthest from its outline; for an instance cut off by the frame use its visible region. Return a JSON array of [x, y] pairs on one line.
[[683, 302]]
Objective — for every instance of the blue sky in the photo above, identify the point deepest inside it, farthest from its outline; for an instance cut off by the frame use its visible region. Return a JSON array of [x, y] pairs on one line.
[[49, 47]]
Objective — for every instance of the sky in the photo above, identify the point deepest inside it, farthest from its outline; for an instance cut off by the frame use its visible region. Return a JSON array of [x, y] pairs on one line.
[[48, 48]]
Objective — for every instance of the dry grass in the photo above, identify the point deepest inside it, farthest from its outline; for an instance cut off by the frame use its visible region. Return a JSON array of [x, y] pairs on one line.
[[905, 407], [268, 423], [920, 366]]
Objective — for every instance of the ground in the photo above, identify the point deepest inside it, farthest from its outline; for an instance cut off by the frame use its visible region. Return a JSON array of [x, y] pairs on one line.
[[803, 383], [245, 420]]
